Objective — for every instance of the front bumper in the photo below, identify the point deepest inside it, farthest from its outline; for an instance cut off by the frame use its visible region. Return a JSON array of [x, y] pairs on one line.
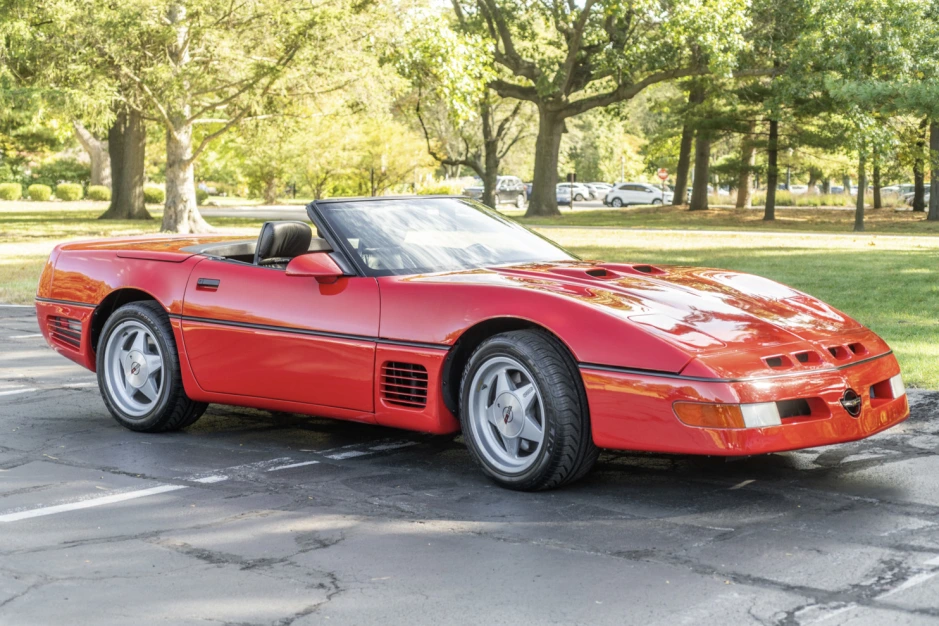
[[633, 410]]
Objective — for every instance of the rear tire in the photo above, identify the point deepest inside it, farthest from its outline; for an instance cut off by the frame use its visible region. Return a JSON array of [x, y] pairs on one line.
[[523, 411], [138, 371], [520, 201]]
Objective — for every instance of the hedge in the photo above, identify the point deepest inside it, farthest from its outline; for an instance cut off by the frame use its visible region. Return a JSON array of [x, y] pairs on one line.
[[98, 192], [40, 193], [11, 191], [68, 191], [154, 195], [201, 196]]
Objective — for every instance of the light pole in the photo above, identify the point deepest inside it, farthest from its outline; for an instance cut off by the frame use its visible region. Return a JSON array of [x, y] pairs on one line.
[[788, 169]]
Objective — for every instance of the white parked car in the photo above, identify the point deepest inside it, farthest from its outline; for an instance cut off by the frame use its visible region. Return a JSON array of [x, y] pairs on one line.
[[599, 189], [578, 191], [625, 194]]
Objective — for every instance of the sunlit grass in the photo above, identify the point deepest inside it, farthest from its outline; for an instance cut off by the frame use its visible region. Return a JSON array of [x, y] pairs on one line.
[[801, 220]]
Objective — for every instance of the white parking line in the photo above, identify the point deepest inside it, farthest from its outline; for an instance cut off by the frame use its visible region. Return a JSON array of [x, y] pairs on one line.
[[18, 306], [393, 446], [87, 504], [25, 336], [351, 454], [292, 465], [208, 480], [912, 581], [15, 391]]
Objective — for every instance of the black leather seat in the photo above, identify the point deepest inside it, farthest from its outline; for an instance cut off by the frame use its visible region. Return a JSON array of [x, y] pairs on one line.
[[279, 242]]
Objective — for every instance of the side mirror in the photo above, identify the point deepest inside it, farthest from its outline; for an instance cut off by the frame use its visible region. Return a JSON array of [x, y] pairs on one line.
[[318, 265]]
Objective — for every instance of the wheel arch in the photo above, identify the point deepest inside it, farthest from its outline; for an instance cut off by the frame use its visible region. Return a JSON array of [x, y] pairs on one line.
[[466, 344], [111, 303]]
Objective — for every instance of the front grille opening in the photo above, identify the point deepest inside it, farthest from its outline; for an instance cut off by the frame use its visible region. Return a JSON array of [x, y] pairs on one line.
[[857, 348], [404, 384], [839, 352], [807, 357], [65, 330], [777, 362], [794, 408], [598, 272], [648, 269]]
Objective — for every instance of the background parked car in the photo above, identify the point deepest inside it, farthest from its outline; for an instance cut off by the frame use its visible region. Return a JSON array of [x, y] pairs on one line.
[[579, 191], [599, 189], [509, 190], [625, 194], [564, 194]]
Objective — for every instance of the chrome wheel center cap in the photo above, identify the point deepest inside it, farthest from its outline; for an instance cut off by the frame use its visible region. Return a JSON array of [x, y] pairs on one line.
[[511, 416], [136, 369]]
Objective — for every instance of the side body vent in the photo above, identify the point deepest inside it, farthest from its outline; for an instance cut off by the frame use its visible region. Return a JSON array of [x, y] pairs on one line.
[[66, 330], [404, 384]]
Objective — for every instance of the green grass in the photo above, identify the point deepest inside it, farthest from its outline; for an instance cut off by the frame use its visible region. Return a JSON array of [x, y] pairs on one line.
[[787, 220], [888, 284]]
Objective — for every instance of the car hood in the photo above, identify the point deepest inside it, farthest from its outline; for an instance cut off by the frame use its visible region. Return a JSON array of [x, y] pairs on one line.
[[702, 311]]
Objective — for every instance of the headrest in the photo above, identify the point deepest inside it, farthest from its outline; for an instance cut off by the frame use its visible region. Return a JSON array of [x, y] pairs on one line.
[[283, 240]]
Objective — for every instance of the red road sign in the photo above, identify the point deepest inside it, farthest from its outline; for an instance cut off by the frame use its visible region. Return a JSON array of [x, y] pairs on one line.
[[662, 173]]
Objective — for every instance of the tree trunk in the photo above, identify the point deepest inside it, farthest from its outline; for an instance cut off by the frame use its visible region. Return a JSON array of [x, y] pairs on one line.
[[180, 213], [861, 188], [919, 171], [270, 191], [747, 158], [812, 187], [97, 153], [490, 173], [695, 97], [878, 201], [772, 171], [127, 144], [826, 186], [846, 183], [702, 159], [933, 215], [544, 199]]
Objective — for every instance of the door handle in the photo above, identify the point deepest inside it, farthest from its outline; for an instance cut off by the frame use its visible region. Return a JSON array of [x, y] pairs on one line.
[[208, 284]]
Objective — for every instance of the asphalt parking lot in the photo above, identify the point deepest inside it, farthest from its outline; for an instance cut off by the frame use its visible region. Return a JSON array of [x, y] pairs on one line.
[[255, 518]]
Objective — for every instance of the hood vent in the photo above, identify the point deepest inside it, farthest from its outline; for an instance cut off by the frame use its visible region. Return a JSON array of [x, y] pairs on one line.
[[65, 331], [404, 384]]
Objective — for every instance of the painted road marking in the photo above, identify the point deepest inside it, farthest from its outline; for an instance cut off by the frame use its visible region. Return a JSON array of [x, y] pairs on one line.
[[393, 446], [912, 581], [14, 391], [208, 480], [351, 454], [87, 504], [292, 465], [25, 336]]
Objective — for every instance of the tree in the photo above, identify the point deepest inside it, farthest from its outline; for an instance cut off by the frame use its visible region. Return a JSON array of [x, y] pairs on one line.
[[568, 58], [97, 150]]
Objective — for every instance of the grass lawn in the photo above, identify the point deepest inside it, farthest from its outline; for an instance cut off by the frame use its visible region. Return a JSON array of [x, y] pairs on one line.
[[888, 283], [800, 220]]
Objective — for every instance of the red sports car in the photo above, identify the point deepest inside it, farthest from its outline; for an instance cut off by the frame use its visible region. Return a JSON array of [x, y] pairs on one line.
[[436, 314]]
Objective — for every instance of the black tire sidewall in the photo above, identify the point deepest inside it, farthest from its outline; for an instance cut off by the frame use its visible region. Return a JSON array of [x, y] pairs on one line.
[[147, 316], [543, 467]]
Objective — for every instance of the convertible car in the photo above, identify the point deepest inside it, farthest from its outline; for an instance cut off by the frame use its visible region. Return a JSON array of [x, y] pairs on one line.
[[436, 314]]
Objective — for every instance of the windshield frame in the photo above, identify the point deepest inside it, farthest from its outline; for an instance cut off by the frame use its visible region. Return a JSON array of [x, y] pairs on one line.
[[326, 230]]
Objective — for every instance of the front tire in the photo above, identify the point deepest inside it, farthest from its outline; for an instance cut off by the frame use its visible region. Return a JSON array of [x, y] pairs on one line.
[[138, 371], [617, 203], [524, 413], [656, 202]]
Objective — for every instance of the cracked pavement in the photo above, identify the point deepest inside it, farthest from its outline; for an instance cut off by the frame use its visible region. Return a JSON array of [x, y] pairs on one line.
[[250, 517]]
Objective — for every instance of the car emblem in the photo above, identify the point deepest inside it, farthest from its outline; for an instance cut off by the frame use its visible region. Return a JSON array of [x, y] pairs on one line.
[[507, 415], [851, 402], [134, 369]]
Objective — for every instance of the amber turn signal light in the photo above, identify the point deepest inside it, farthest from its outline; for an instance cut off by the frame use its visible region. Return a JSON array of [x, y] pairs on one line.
[[728, 415]]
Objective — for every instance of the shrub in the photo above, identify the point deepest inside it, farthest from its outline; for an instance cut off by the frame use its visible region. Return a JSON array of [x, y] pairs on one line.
[[61, 170], [40, 193], [68, 191], [11, 191], [98, 192], [154, 195], [201, 196], [440, 189]]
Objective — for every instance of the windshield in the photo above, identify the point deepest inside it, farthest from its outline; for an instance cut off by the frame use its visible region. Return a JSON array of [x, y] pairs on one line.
[[424, 235]]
